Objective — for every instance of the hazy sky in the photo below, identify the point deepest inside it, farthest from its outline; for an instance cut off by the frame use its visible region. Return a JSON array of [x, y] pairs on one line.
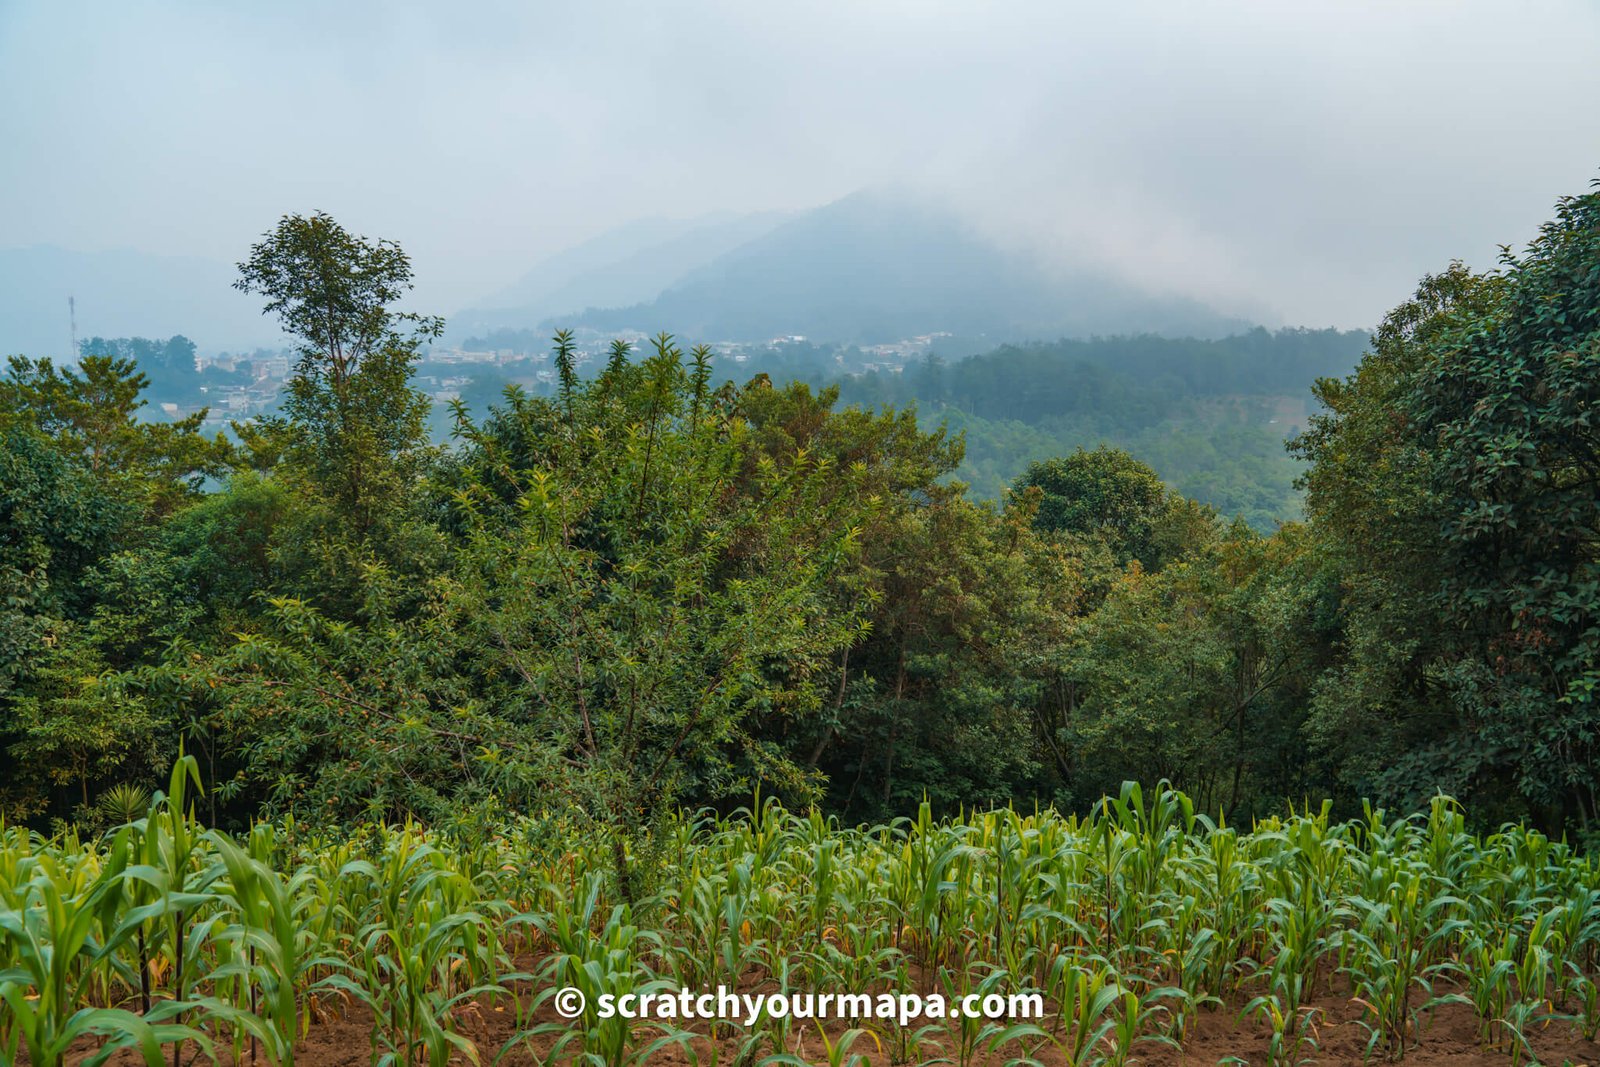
[[1297, 162]]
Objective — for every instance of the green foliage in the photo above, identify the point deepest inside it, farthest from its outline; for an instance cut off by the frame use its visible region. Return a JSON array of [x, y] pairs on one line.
[[1198, 673], [1210, 416], [1506, 409], [1105, 494], [360, 427], [169, 364], [79, 478], [632, 583], [1138, 377], [966, 609], [1377, 524], [89, 414], [654, 582], [651, 587], [1453, 487], [55, 520]]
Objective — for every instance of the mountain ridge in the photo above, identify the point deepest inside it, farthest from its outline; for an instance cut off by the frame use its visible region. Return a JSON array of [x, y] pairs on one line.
[[877, 266], [628, 264]]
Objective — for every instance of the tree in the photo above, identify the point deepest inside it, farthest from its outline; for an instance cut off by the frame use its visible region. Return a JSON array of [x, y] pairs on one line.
[[84, 486], [73, 723], [632, 586], [58, 723], [1382, 714], [1106, 494], [945, 694], [362, 428], [170, 363], [1507, 408], [90, 414], [660, 583], [1199, 673], [1453, 483]]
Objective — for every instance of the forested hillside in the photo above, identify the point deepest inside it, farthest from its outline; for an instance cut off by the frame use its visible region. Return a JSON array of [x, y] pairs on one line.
[[656, 588], [1211, 416]]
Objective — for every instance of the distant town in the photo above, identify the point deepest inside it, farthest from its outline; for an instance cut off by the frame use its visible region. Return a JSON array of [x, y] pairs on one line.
[[239, 386]]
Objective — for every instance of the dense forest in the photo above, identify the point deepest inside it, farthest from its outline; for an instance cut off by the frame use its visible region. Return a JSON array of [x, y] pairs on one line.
[[657, 588], [1211, 416]]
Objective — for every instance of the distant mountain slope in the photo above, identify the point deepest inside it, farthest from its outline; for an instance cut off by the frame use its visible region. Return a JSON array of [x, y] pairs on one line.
[[122, 294], [630, 264], [877, 267], [1211, 416]]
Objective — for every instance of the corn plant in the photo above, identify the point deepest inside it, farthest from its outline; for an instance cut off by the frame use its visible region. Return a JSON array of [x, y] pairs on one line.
[[1396, 948], [417, 956], [1294, 1033], [54, 955], [1087, 999], [597, 962], [167, 939], [835, 1052]]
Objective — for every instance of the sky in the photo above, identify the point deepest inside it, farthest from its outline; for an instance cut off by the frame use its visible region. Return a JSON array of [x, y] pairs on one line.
[[1299, 163]]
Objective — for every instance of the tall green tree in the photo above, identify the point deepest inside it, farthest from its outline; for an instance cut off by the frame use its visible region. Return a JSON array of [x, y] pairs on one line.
[[91, 414], [361, 427], [1382, 714], [1105, 494], [660, 583], [1199, 673], [1510, 410], [84, 487], [1453, 483], [634, 586], [945, 695]]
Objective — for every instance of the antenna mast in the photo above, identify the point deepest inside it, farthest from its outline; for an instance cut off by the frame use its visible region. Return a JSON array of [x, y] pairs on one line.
[[72, 316]]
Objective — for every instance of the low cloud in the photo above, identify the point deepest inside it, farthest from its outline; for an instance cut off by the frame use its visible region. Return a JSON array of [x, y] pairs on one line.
[[1297, 163]]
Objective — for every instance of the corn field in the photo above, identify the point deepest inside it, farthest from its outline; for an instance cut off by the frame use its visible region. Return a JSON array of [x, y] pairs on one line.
[[170, 943]]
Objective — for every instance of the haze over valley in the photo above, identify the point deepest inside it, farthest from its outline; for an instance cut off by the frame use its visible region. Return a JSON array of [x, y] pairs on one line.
[[1027, 174]]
